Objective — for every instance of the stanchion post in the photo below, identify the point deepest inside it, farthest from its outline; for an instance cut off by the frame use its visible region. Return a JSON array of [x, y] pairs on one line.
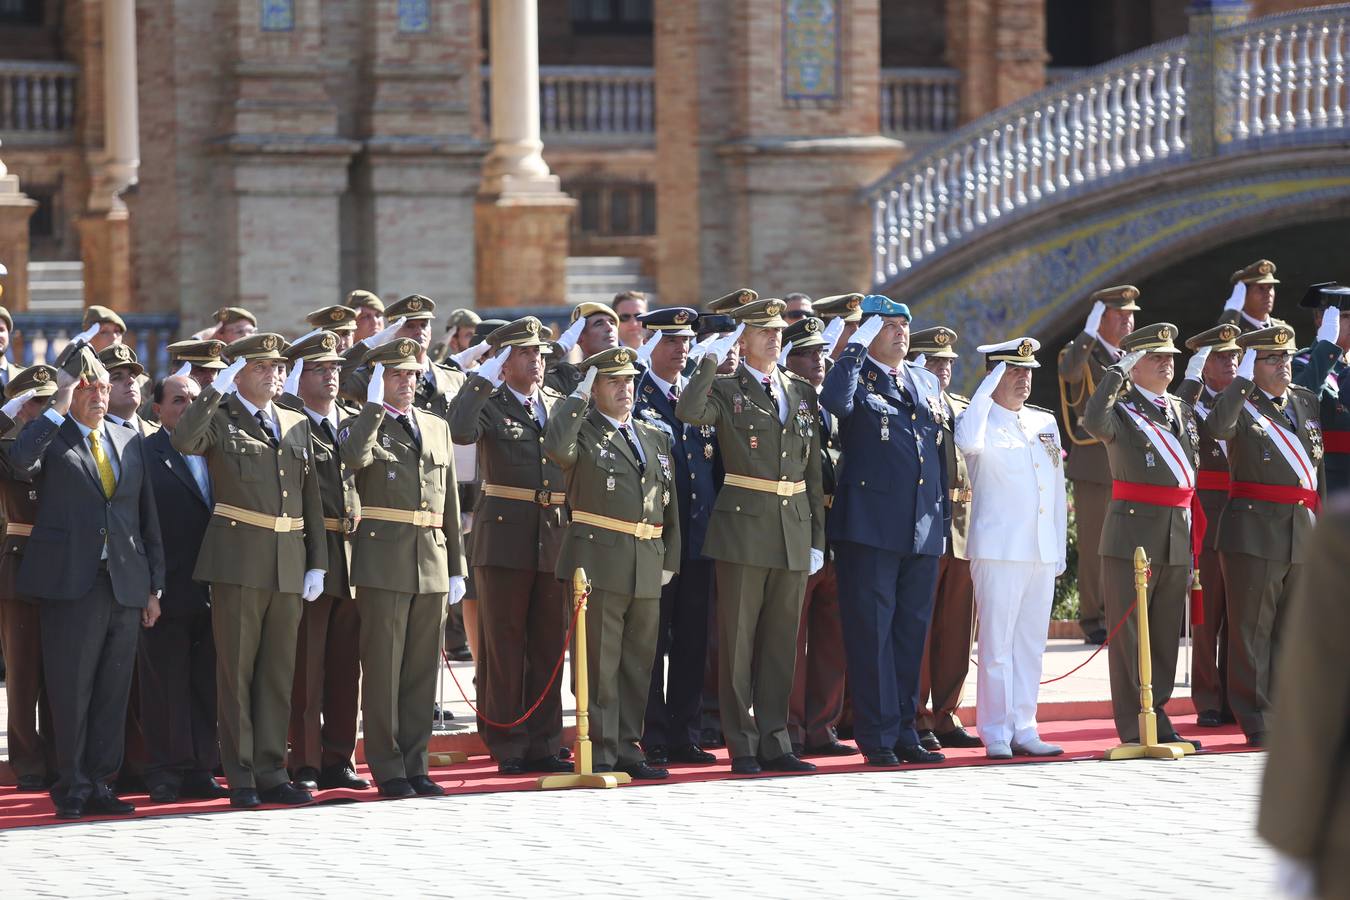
[[1148, 746], [584, 776], [444, 757]]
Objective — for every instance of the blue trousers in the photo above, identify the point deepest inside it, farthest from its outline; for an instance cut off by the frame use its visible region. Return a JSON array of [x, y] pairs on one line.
[[885, 606]]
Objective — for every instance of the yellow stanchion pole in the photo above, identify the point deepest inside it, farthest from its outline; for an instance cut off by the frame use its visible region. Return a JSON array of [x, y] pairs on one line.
[[1148, 746], [581, 750]]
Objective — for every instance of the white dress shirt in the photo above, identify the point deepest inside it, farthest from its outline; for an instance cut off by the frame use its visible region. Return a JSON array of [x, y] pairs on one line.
[[777, 389], [632, 432]]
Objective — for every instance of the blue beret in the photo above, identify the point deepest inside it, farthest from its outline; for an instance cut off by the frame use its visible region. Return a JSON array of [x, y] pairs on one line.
[[884, 306]]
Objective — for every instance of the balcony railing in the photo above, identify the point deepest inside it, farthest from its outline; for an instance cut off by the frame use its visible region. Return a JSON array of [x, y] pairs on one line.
[[40, 337], [591, 102], [37, 101], [917, 102]]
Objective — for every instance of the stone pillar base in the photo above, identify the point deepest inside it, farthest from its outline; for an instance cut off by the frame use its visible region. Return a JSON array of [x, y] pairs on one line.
[[105, 249], [520, 249], [16, 208]]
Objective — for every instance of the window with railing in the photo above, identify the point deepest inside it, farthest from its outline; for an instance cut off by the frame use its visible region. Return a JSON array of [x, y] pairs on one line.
[[21, 12], [614, 210], [612, 16]]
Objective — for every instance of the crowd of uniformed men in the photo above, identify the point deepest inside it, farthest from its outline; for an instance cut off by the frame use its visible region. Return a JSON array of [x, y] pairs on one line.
[[790, 524]]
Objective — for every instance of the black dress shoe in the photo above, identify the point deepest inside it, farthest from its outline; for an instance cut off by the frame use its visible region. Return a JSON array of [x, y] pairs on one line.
[[882, 758], [306, 778], [711, 740], [745, 765], [833, 748], [396, 788], [461, 653], [202, 786], [1096, 636], [29, 784], [70, 808], [285, 793], [564, 753], [658, 755], [1175, 738], [1208, 719], [105, 803], [547, 765], [1256, 740], [441, 715], [690, 753], [164, 793], [425, 787], [341, 777], [915, 753], [929, 741], [511, 767], [788, 762], [643, 772], [244, 798], [959, 737]]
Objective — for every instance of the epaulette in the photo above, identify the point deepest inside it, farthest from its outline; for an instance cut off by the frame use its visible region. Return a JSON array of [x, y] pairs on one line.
[[720, 376], [1040, 408], [965, 399], [793, 375], [545, 389], [1299, 387]]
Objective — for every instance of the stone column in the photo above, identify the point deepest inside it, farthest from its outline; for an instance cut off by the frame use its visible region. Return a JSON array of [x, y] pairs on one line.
[[15, 210], [999, 48], [522, 217]]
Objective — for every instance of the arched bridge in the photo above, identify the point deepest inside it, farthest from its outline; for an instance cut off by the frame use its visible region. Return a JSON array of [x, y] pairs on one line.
[[1230, 130]]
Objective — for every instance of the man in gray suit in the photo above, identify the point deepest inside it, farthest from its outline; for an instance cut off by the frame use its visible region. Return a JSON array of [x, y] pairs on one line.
[[96, 567]]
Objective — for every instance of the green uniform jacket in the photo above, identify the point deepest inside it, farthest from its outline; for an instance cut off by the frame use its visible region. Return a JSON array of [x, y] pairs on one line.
[[958, 479], [512, 534], [246, 472], [1081, 364], [435, 400], [1235, 317], [395, 556], [1213, 455], [1163, 531], [604, 478], [1261, 528], [19, 504], [750, 527]]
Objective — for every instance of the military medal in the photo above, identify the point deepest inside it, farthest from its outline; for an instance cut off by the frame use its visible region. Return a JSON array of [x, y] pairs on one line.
[[665, 498], [1315, 439], [754, 442], [737, 403], [609, 483], [384, 441], [1052, 449], [885, 428], [392, 473], [707, 451], [1150, 460]]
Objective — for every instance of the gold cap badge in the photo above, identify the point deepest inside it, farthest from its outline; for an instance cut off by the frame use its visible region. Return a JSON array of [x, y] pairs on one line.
[[41, 376], [1024, 349], [329, 342], [812, 325], [623, 357], [269, 343]]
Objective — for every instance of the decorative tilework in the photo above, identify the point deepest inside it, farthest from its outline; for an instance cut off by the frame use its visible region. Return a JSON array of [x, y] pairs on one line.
[[278, 15], [811, 52], [414, 16]]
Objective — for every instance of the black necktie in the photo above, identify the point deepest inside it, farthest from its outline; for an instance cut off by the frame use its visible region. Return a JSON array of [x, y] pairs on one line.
[[632, 445], [266, 426], [408, 426], [674, 395], [328, 431], [900, 387]]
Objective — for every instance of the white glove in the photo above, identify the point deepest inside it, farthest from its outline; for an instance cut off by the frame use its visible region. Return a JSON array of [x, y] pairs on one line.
[[224, 382], [1237, 298], [492, 369], [817, 556], [12, 408], [701, 347], [183, 371], [782, 357], [867, 331], [569, 337], [583, 390], [87, 335], [386, 334], [1294, 877], [313, 585], [920, 361], [831, 334], [991, 381], [458, 588], [719, 348], [1330, 329], [1197, 364], [644, 352], [1247, 367], [1094, 319], [466, 358], [666, 576], [375, 390], [292, 385], [1130, 360]]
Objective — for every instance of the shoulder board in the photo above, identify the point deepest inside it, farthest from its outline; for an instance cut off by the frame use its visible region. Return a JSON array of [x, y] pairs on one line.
[[545, 389], [794, 376], [1301, 389], [961, 398], [730, 376], [1037, 408]]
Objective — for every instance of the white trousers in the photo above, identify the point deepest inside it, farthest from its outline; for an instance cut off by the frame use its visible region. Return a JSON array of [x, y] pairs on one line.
[[1012, 600]]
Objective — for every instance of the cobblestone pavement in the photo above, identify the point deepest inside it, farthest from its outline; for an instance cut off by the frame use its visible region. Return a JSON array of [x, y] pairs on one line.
[[1123, 830]]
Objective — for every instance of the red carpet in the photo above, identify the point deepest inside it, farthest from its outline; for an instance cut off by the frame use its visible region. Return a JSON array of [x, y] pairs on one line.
[[1083, 740]]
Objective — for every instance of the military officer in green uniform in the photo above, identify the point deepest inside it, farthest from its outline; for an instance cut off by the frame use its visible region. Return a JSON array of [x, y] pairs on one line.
[[1250, 304], [411, 318], [625, 532], [340, 320], [767, 532], [1276, 486], [1153, 444], [1081, 365], [844, 308], [200, 360], [263, 552], [1321, 369], [407, 557], [594, 327], [369, 313]]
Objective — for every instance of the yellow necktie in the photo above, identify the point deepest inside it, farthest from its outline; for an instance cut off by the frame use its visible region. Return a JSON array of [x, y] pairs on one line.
[[105, 470]]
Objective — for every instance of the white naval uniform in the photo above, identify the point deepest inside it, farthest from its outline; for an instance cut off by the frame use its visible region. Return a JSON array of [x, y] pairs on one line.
[[1016, 542]]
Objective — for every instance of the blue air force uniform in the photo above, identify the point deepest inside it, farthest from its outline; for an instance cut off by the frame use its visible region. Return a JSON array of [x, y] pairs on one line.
[[1322, 369]]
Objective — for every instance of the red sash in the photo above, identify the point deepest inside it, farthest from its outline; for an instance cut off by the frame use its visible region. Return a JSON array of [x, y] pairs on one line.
[[1211, 480], [1179, 498], [1276, 493], [1336, 441]]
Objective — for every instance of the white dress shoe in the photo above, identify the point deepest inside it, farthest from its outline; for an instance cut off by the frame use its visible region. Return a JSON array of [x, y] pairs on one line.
[[998, 750], [1036, 747]]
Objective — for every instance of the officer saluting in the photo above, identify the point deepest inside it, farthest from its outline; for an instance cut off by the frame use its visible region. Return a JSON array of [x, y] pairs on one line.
[[1250, 304], [625, 532], [263, 551], [1321, 369]]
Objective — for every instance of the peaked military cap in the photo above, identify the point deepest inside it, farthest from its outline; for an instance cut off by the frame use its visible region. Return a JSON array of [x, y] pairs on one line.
[[526, 332], [460, 317], [876, 304], [1020, 352], [320, 347], [1159, 337], [673, 321], [804, 334], [1260, 272], [41, 379], [203, 354], [8, 319], [614, 361], [937, 342], [1221, 338], [841, 306], [333, 318], [485, 328], [1326, 293], [359, 299], [398, 354], [102, 314], [588, 309], [1275, 339], [82, 363], [261, 345], [227, 314], [761, 314], [727, 302], [714, 323], [1122, 296], [119, 355], [413, 307]]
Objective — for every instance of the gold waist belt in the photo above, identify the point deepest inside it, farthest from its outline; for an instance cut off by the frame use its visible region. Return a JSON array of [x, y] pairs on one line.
[[422, 518], [960, 495], [18, 529], [279, 524], [343, 525], [643, 531], [543, 498], [766, 485]]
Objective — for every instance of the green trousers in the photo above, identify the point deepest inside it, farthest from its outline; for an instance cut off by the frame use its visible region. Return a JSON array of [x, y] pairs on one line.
[[1258, 592], [1168, 594], [620, 650]]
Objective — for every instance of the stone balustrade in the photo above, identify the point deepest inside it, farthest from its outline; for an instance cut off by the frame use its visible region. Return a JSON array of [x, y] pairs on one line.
[[37, 101], [919, 101]]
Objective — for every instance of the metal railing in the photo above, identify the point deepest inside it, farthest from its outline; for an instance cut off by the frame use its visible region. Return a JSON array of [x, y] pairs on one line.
[[37, 100], [916, 102], [40, 337], [591, 101]]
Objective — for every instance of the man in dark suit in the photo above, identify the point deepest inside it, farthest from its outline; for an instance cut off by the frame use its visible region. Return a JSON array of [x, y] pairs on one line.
[[177, 658], [96, 566]]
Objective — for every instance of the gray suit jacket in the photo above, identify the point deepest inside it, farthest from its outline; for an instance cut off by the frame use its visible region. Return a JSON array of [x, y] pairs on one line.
[[74, 517]]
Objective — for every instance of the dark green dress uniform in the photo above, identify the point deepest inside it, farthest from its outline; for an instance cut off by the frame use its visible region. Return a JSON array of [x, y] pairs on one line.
[[406, 549], [1081, 365], [266, 531], [769, 515], [563, 376], [517, 531], [624, 531], [1146, 445], [1265, 530], [1260, 272], [1321, 369], [327, 653]]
